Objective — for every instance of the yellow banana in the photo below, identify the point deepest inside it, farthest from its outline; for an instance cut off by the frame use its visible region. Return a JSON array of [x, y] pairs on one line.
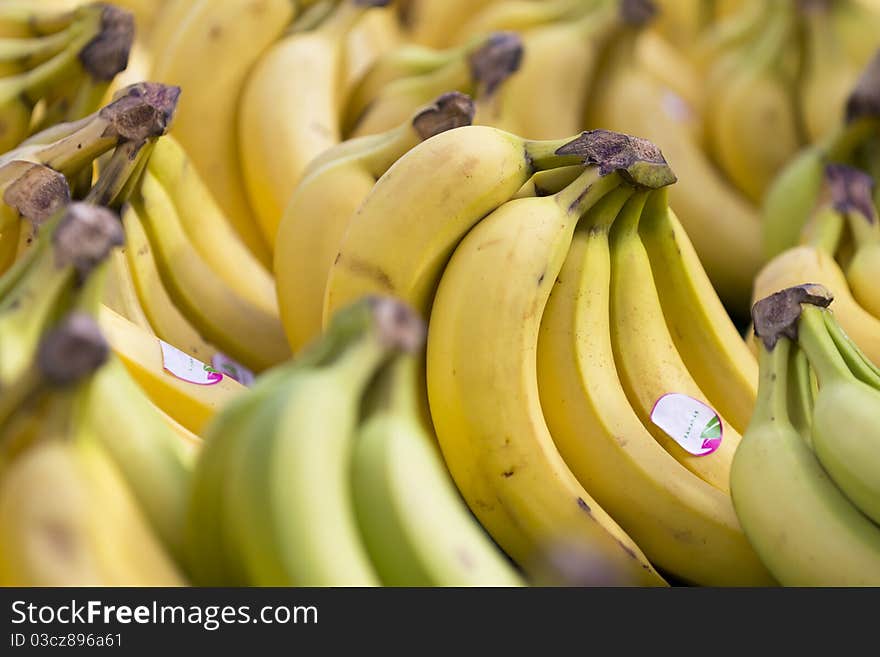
[[435, 24], [191, 404], [209, 49], [226, 319], [317, 216], [482, 378], [290, 111], [652, 372], [683, 524], [376, 34], [723, 226]]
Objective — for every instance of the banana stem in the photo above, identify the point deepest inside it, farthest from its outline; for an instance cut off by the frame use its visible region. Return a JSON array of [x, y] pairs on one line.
[[395, 389], [840, 145], [826, 230], [121, 173], [771, 404], [816, 341]]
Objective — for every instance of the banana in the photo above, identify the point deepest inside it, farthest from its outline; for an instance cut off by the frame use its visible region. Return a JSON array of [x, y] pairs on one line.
[[67, 519], [864, 266], [750, 106], [858, 23], [191, 404], [652, 372], [377, 33], [478, 70], [210, 49], [482, 380], [120, 292], [20, 19], [805, 530], [829, 72], [165, 320], [403, 233], [223, 317], [520, 16], [559, 64], [813, 261], [396, 474], [729, 245], [864, 369], [435, 24], [844, 431], [289, 110], [208, 227], [404, 61], [684, 525], [301, 528], [684, 21], [317, 216], [707, 340], [76, 238]]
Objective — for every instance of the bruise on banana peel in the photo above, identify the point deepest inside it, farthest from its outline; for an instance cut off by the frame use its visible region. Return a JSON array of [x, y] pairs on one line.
[[777, 315], [638, 160], [638, 13]]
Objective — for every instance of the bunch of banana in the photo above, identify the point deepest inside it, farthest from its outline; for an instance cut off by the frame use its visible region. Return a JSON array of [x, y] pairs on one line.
[[56, 65], [722, 224], [845, 209], [481, 366], [296, 485], [389, 93], [797, 188], [778, 77], [290, 109], [560, 56], [239, 317], [804, 480], [64, 274], [67, 514], [317, 217], [209, 48]]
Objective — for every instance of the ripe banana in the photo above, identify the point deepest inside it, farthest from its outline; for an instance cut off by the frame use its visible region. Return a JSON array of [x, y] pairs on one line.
[[435, 24], [378, 33], [482, 379], [164, 319], [864, 267], [559, 63], [750, 105], [209, 228], [209, 49], [67, 519], [651, 368], [289, 110], [805, 530], [120, 293], [707, 340], [829, 72], [316, 218], [722, 225], [405, 230], [587, 412], [191, 404], [228, 320], [520, 16]]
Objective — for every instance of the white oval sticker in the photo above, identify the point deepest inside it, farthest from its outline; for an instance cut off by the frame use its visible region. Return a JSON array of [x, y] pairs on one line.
[[187, 368], [689, 422]]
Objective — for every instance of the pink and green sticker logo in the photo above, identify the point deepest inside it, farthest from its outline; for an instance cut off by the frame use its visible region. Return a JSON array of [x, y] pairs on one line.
[[689, 422]]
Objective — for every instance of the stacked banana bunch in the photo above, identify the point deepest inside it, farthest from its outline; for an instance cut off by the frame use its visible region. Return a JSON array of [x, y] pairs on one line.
[[805, 478], [439, 292]]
